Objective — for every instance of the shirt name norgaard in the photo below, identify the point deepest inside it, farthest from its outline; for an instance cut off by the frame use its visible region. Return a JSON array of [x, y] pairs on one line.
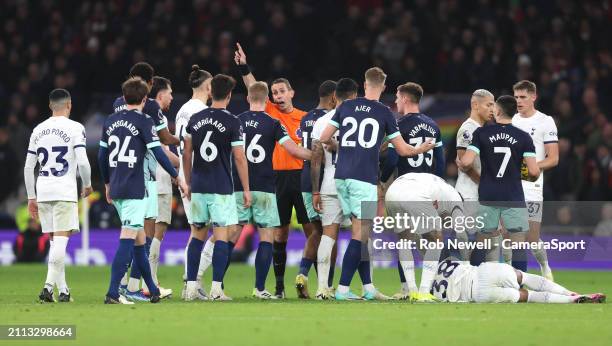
[[122, 123], [209, 121]]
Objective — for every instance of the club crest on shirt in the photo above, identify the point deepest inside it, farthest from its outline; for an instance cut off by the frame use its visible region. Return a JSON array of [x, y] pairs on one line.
[[467, 135]]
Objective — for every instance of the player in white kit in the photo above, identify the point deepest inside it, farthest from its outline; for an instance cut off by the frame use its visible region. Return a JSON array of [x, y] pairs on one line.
[[430, 198], [458, 281], [199, 80], [324, 195], [58, 146], [543, 132], [161, 91], [481, 111]]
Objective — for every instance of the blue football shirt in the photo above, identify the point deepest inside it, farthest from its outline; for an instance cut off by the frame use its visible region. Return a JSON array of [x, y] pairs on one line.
[[416, 129], [305, 133]]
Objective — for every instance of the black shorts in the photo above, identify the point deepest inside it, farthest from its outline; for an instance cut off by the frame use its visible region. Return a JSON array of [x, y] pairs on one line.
[[289, 195]]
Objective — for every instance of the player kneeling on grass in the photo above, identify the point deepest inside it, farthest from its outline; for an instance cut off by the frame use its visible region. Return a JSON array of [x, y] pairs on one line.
[[427, 200], [128, 134], [490, 282], [58, 144]]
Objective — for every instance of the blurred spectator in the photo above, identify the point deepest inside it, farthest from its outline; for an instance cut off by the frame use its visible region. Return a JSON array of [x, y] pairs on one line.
[[604, 227], [10, 166], [31, 245]]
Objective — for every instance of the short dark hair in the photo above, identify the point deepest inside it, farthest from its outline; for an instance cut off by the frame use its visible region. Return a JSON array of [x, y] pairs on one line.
[[58, 95], [134, 90], [327, 88], [198, 76], [159, 84], [413, 90], [221, 86], [345, 88], [284, 81], [507, 104], [526, 85], [143, 70]]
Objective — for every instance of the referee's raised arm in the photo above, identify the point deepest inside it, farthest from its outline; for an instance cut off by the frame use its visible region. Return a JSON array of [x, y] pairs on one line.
[[243, 67]]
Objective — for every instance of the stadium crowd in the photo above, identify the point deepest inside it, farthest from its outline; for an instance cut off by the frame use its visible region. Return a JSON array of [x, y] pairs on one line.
[[447, 46]]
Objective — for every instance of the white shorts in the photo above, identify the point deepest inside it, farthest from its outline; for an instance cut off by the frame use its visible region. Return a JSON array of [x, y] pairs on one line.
[[164, 208], [187, 208], [534, 199], [332, 210], [496, 283], [58, 216], [406, 197]]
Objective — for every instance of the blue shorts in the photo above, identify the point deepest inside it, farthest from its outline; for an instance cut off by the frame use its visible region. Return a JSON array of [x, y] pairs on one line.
[[131, 212], [352, 193], [151, 200], [211, 208], [263, 211]]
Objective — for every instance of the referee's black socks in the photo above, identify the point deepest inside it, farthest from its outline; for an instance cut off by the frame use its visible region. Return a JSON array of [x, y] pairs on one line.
[[279, 259]]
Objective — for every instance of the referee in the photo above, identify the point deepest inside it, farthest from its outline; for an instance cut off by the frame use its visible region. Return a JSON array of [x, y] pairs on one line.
[[288, 169]]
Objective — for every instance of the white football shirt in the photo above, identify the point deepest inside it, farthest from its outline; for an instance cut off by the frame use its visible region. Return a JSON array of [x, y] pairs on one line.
[[164, 180], [182, 119], [543, 130], [453, 281], [53, 142], [465, 185], [328, 186]]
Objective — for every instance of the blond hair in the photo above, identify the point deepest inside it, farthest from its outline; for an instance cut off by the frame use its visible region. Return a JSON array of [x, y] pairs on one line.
[[375, 76], [258, 92]]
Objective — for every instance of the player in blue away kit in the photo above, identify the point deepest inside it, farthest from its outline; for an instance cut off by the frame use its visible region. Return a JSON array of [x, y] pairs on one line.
[[151, 108], [261, 133], [363, 124], [126, 137], [502, 148], [415, 128], [215, 136], [327, 102]]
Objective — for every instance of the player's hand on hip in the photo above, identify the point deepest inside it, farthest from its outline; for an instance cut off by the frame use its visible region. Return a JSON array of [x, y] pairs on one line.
[[109, 200], [239, 56], [86, 191], [246, 195], [33, 208], [316, 203]]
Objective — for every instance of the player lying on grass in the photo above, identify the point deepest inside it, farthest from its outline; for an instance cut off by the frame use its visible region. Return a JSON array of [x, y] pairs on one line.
[[490, 282], [425, 198]]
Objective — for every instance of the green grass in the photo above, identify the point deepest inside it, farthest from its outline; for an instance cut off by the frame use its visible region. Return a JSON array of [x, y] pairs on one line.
[[246, 321]]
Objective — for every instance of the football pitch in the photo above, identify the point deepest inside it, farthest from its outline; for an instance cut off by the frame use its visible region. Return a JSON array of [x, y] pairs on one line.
[[246, 321]]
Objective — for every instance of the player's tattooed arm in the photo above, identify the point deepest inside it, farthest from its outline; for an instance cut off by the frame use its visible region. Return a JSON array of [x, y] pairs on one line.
[[318, 157], [469, 170], [187, 161], [552, 156], [241, 62], [167, 138]]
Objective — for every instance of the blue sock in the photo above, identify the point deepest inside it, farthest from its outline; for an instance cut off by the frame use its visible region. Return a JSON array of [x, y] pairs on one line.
[[263, 260], [401, 272], [147, 246], [219, 260], [120, 265], [194, 251], [330, 278], [364, 272], [350, 262], [519, 259], [230, 248], [135, 271], [142, 262], [305, 265], [478, 256]]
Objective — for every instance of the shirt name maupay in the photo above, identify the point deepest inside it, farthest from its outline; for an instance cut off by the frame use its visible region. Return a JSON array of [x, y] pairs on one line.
[[502, 137], [122, 123], [209, 121], [420, 127]]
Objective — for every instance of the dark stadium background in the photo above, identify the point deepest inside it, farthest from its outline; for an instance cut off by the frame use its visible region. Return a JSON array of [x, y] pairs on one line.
[[451, 47]]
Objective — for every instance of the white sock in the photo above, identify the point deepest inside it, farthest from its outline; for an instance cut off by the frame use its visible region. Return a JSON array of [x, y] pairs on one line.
[[541, 284], [370, 250], [430, 266], [507, 255], [343, 289], [216, 286], [547, 297], [50, 280], [185, 262], [369, 287], [124, 279], [407, 262], [59, 244], [541, 256], [154, 258], [493, 254], [191, 286], [323, 260], [57, 255], [133, 284], [462, 237], [205, 258]]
